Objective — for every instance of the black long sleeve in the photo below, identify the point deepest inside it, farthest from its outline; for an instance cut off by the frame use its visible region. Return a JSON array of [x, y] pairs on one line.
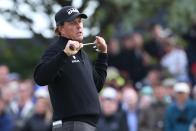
[[73, 82], [47, 69], [99, 72]]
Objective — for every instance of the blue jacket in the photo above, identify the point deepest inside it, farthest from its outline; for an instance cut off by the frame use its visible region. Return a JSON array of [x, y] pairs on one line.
[[5, 122], [180, 119]]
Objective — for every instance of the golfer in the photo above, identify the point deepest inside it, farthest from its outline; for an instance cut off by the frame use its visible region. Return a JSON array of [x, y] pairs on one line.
[[73, 82]]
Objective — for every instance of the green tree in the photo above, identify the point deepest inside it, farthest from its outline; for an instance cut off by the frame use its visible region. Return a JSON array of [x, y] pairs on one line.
[[21, 55], [108, 18], [107, 14]]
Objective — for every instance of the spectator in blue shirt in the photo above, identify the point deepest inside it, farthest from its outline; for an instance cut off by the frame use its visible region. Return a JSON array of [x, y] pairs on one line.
[[5, 119], [182, 112]]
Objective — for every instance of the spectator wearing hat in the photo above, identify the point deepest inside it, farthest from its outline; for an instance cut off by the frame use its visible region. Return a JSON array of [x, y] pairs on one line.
[[146, 97], [111, 119], [180, 114], [169, 83]]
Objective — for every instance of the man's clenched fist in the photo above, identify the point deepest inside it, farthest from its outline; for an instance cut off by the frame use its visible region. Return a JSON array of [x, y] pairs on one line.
[[101, 44], [72, 47]]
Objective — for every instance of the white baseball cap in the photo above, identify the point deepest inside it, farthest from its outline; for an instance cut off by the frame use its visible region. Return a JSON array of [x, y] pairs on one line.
[[42, 92], [109, 92], [182, 87]]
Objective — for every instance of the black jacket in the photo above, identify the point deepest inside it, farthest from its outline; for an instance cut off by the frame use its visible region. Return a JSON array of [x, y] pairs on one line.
[[114, 122], [37, 123], [72, 81]]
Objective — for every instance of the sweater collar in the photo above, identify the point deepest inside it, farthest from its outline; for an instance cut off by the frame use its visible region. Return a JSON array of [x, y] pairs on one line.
[[63, 40]]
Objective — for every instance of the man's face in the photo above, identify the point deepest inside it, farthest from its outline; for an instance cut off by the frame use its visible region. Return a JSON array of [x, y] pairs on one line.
[[109, 106], [4, 71], [73, 30], [181, 97]]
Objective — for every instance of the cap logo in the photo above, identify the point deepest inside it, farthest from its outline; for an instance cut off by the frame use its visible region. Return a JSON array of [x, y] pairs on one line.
[[70, 11]]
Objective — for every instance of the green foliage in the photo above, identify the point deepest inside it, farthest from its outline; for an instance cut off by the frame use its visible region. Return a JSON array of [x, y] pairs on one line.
[[110, 13], [20, 55], [181, 14], [23, 55]]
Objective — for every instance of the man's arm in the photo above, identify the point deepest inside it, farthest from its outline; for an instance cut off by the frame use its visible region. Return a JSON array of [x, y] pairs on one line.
[[100, 68], [52, 61], [49, 65]]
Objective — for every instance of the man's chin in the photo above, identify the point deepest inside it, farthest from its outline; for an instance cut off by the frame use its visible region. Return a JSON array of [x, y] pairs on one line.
[[79, 39]]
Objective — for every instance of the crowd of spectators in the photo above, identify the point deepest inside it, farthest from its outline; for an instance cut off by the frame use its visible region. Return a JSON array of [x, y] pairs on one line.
[[150, 86], [153, 82], [24, 106]]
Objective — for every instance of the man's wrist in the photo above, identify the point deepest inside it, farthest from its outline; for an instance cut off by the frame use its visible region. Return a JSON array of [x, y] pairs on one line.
[[104, 52], [68, 54]]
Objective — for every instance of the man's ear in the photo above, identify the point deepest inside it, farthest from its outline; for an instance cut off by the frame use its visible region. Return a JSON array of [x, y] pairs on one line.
[[59, 30]]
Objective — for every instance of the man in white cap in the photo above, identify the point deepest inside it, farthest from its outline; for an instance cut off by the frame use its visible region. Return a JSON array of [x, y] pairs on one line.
[[111, 119], [182, 112]]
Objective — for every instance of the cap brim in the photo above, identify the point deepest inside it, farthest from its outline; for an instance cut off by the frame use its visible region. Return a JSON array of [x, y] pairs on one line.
[[182, 92], [84, 16]]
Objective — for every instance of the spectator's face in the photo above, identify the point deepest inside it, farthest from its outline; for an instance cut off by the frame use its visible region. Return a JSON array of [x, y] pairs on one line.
[[157, 32], [2, 105], [73, 30], [169, 91], [130, 97], [159, 92], [137, 40], [109, 106], [41, 106], [113, 46], [25, 90], [145, 101], [7, 94], [181, 97], [4, 71], [167, 47], [127, 43], [154, 77], [11, 91]]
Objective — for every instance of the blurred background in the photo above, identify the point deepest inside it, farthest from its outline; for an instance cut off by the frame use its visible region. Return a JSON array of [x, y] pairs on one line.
[[151, 82]]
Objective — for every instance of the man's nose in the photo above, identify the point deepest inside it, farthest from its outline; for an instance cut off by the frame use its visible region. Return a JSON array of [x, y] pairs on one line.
[[79, 25]]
